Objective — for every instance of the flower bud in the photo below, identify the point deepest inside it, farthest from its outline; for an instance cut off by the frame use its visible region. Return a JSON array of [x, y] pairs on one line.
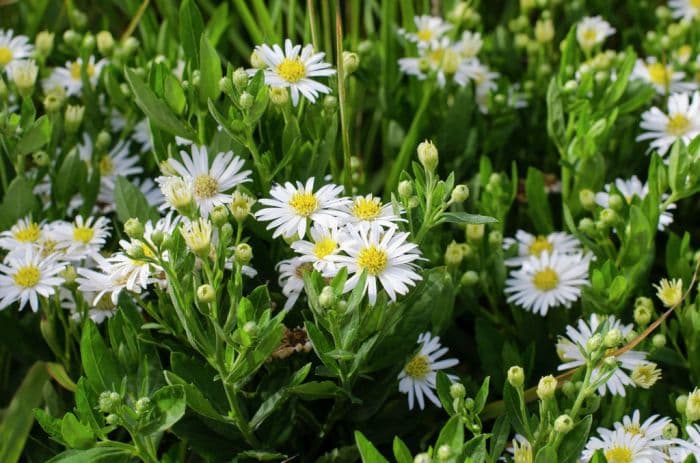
[[74, 118], [279, 96], [157, 238], [351, 61], [243, 253], [108, 401], [134, 228], [41, 158], [569, 389], [219, 215], [563, 424], [330, 104], [469, 278], [475, 232], [453, 254], [142, 406], [103, 140], [112, 419], [586, 225], [136, 252], [587, 199], [496, 239], [659, 340], [570, 87], [547, 387], [516, 376], [206, 293], [327, 297], [69, 274], [642, 315], [544, 31], [251, 328], [88, 44], [616, 202], [692, 407], [44, 43], [240, 206], [197, 236], [246, 100], [131, 44], [612, 338], [457, 391], [226, 85], [428, 155], [240, 79], [594, 342], [405, 188], [670, 431], [460, 193], [444, 452], [413, 202], [72, 38], [257, 61], [422, 458], [53, 101], [105, 43], [681, 403]]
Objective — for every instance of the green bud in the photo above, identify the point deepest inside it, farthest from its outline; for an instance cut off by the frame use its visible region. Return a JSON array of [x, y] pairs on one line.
[[88, 44], [134, 228], [609, 217], [516, 376], [659, 340], [569, 389], [496, 239], [570, 86], [279, 96], [612, 338], [428, 155], [219, 215], [422, 458], [469, 278], [642, 315], [594, 342], [405, 188], [136, 252], [469, 404], [563, 424], [243, 253], [453, 254], [475, 232], [457, 391], [616, 202], [226, 85], [351, 61], [44, 43], [72, 38], [103, 140], [330, 104], [131, 44], [547, 387], [444, 452], [206, 294], [142, 405], [460, 193], [251, 328], [586, 225], [240, 79], [112, 419], [41, 158], [78, 18], [587, 199], [246, 100], [105, 43], [327, 297], [681, 403], [74, 118], [670, 431], [157, 238]]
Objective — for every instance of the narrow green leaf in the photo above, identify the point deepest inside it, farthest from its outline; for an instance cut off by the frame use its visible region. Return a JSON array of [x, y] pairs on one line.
[[37, 136], [368, 452], [191, 28], [210, 72], [463, 217]]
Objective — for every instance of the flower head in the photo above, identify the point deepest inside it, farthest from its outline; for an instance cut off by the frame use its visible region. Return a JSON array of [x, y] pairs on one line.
[[82, 238], [13, 48], [663, 77], [592, 31], [534, 245], [670, 292], [681, 122], [70, 77], [429, 31], [323, 251], [631, 188], [620, 446], [24, 277]]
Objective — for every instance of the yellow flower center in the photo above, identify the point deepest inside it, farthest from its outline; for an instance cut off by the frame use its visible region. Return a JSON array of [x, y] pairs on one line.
[[436, 55], [418, 367], [589, 35], [539, 245], [546, 279], [28, 276], [291, 70], [696, 5], [304, 204], [324, 248], [634, 429], [366, 208], [373, 260], [48, 247], [83, 234], [619, 455], [677, 124], [424, 35], [659, 74], [5, 56], [106, 165], [205, 186], [75, 70], [28, 234]]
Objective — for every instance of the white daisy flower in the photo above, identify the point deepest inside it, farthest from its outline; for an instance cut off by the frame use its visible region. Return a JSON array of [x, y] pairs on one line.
[[662, 77], [369, 212], [572, 350], [151, 192], [292, 208], [387, 257], [294, 68], [531, 245], [629, 189], [470, 44], [651, 429], [620, 446], [70, 76], [681, 123], [83, 237], [24, 234], [134, 274], [548, 280], [417, 379], [443, 60], [13, 48], [25, 277], [592, 31], [484, 79], [98, 312], [689, 447], [685, 9], [323, 250], [429, 31], [291, 278], [117, 162], [95, 284]]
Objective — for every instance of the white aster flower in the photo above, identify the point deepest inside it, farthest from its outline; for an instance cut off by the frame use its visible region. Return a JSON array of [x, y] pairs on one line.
[[592, 31], [291, 278], [95, 284], [323, 251], [24, 234], [661, 76], [484, 80], [685, 9], [294, 68], [25, 277], [133, 274], [24, 73], [442, 59], [631, 188], [572, 350], [70, 76], [369, 212], [429, 31], [531, 245], [548, 280], [417, 379], [117, 162], [651, 429], [682, 122], [13, 48], [209, 184], [689, 447], [83, 237], [470, 44], [388, 258], [292, 208], [620, 446]]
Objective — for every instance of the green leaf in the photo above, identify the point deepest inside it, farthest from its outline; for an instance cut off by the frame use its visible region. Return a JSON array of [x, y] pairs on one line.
[[314, 390], [110, 454], [50, 425], [475, 449], [368, 452], [401, 451], [19, 202], [174, 94], [515, 409], [169, 406], [556, 124], [499, 435], [59, 374], [465, 218], [537, 202], [574, 440], [131, 202], [191, 28], [99, 364], [452, 433], [18, 417], [195, 398], [481, 395], [443, 390], [210, 68], [262, 456], [35, 137], [76, 434], [65, 184], [156, 109], [546, 455]]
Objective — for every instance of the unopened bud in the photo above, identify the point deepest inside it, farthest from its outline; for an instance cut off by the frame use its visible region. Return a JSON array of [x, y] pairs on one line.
[[103, 140], [44, 43], [251, 328], [327, 297], [219, 215], [351, 61], [444, 452], [616, 202], [516, 376], [563, 424], [105, 43], [243, 253], [240, 79], [257, 61], [428, 155], [642, 315], [405, 188], [226, 85], [279, 96], [546, 387], [457, 391], [74, 118], [142, 405], [681, 403], [469, 278], [612, 338], [587, 198], [475, 232], [659, 340], [609, 217], [453, 254], [460, 193], [206, 294], [41, 158], [594, 342], [134, 228]]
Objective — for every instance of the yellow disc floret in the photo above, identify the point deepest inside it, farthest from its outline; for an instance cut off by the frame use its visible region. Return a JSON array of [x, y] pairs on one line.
[[292, 70], [304, 204], [546, 279], [418, 367], [373, 260], [28, 276]]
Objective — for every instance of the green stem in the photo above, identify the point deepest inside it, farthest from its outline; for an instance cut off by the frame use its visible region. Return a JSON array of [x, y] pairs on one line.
[[250, 24], [312, 24], [347, 174]]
